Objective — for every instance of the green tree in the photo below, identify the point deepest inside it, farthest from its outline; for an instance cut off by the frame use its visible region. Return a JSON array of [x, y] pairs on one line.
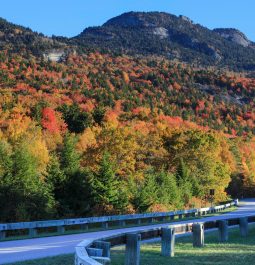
[[24, 194], [69, 157], [56, 179], [77, 201], [98, 115], [107, 189], [144, 194], [76, 119], [168, 192]]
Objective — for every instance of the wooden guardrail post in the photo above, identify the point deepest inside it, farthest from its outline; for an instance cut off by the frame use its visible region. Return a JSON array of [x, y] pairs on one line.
[[139, 221], [122, 223], [105, 246], [61, 229], [243, 224], [223, 230], [105, 225], [32, 232], [132, 255], [85, 227], [198, 235], [151, 220], [168, 242], [2, 235], [95, 252], [162, 219]]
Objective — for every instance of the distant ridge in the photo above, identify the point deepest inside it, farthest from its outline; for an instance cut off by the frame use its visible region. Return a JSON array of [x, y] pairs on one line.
[[141, 33]]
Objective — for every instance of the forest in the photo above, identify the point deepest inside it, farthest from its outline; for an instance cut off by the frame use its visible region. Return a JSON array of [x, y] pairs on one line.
[[101, 133]]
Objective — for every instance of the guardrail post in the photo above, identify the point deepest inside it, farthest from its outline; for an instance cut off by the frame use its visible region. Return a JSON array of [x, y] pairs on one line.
[[105, 246], [223, 230], [95, 252], [122, 223], [198, 235], [167, 242], [151, 220], [243, 224], [139, 221], [32, 232], [162, 219], [2, 235], [105, 225], [172, 217], [61, 229], [132, 255], [85, 227], [180, 216]]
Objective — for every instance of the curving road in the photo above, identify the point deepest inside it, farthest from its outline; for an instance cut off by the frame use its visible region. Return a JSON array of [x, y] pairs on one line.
[[20, 250]]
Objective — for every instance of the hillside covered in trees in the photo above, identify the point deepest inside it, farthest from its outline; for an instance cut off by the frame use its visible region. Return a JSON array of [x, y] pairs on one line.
[[101, 133]]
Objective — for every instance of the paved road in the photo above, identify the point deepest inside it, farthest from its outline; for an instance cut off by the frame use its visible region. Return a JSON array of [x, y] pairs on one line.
[[20, 250]]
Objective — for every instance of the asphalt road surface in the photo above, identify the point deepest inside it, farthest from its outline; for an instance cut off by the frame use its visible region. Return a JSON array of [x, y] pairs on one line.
[[28, 249]]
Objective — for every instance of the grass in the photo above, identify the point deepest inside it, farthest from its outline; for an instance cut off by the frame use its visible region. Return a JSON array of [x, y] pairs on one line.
[[58, 260], [112, 227], [238, 251]]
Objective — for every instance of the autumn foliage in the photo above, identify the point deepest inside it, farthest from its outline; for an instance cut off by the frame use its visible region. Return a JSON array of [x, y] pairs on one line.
[[163, 132]]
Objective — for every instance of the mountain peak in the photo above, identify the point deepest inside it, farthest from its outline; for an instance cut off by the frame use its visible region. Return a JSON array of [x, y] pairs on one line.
[[140, 19]]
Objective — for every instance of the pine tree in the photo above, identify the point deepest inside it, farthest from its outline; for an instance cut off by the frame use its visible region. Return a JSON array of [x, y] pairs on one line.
[[182, 171], [107, 188], [184, 181], [56, 180], [24, 195], [145, 194], [70, 159], [77, 201]]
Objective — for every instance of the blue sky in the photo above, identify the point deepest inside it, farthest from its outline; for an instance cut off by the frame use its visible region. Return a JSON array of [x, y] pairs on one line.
[[70, 17]]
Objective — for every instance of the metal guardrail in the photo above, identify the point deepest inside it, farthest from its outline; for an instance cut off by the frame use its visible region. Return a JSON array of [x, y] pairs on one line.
[[33, 227], [97, 252]]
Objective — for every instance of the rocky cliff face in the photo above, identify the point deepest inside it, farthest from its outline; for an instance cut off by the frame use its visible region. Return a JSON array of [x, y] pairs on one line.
[[235, 36]]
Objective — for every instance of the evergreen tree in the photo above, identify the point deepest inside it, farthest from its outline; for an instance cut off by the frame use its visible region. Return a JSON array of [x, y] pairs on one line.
[[168, 191], [106, 187], [98, 115], [24, 194], [69, 158], [76, 119], [56, 180], [78, 194], [184, 182], [145, 194]]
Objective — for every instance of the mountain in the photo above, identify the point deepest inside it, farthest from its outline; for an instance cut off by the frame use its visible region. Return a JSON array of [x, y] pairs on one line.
[[139, 33], [173, 37]]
